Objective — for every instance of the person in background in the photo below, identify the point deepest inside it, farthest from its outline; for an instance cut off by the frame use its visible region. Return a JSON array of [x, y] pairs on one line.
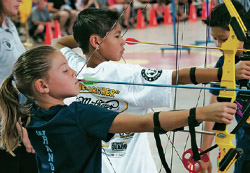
[[160, 10], [141, 4], [181, 7], [64, 12], [103, 3], [37, 21], [84, 4], [120, 6], [10, 49]]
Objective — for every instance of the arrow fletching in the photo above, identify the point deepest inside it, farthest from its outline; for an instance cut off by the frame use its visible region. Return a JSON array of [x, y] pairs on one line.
[[89, 81], [131, 41]]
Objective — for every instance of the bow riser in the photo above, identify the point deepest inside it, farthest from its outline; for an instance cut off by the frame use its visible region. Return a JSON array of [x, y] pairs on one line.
[[228, 77]]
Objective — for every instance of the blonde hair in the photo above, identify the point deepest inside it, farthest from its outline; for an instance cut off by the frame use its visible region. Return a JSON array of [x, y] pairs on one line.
[[30, 66]]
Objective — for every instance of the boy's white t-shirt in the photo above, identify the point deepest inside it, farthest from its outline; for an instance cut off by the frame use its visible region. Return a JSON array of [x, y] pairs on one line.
[[125, 152]]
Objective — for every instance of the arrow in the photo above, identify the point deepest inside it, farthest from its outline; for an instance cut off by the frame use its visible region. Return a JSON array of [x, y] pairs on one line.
[[93, 81], [132, 41]]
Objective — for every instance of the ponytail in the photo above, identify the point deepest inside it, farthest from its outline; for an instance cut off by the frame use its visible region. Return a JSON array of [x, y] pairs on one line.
[[32, 65], [10, 115]]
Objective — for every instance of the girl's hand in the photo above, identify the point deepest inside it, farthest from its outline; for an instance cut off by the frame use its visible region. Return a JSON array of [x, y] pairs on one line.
[[221, 112], [26, 142]]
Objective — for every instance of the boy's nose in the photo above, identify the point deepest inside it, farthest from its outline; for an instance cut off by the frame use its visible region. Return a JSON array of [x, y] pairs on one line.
[[123, 42]]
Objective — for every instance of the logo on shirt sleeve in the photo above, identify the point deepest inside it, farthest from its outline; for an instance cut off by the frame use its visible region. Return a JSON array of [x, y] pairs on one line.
[[7, 45], [151, 74]]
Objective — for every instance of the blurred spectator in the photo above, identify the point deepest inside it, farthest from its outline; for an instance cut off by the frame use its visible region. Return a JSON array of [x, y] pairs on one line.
[[84, 4], [34, 2], [181, 7], [160, 10], [140, 4], [120, 5], [37, 21], [62, 10], [103, 3]]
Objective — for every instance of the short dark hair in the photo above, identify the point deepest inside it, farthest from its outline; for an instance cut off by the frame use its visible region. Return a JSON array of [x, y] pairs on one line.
[[220, 17], [93, 21]]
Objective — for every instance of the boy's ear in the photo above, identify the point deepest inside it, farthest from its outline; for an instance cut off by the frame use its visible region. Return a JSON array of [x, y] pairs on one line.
[[95, 41], [41, 86]]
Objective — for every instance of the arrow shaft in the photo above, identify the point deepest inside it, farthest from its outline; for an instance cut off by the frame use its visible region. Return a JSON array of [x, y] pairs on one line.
[[162, 85], [183, 45]]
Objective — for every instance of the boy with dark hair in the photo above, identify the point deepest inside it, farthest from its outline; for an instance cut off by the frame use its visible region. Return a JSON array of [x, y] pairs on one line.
[[125, 152], [218, 21]]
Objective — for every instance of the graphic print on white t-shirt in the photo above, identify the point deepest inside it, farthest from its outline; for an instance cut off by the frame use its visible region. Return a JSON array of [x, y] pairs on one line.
[[102, 97], [118, 145]]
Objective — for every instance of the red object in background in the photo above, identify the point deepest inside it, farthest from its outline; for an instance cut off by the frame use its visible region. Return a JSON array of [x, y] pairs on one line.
[[58, 33], [167, 16], [152, 17], [48, 35], [204, 10], [192, 13], [140, 20]]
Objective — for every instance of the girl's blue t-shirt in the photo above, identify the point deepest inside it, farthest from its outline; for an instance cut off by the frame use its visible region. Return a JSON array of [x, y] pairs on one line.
[[68, 138]]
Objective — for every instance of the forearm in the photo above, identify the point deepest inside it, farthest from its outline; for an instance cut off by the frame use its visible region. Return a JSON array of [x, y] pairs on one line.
[[202, 75], [217, 112], [66, 41], [144, 123]]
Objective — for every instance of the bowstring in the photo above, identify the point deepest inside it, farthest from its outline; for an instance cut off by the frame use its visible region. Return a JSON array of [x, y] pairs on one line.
[[205, 66], [200, 92], [177, 70], [177, 65]]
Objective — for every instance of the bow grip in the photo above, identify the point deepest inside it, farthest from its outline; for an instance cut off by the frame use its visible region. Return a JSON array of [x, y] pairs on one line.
[[221, 126]]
